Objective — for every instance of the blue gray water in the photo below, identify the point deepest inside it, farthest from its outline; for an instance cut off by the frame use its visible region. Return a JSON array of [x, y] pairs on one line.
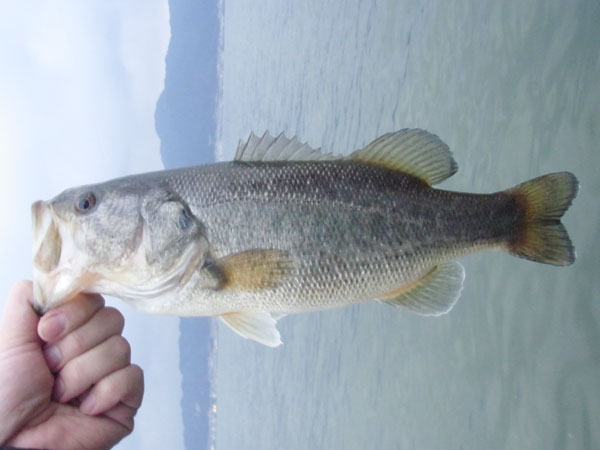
[[513, 88]]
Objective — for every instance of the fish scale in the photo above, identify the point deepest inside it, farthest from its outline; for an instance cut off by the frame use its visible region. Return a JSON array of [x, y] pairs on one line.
[[285, 228], [395, 227]]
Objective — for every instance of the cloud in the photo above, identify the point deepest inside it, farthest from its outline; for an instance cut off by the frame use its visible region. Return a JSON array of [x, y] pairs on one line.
[[78, 89], [7, 142]]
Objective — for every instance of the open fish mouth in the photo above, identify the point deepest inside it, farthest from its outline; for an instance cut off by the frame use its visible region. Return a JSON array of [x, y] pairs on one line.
[[47, 243], [46, 246], [52, 284]]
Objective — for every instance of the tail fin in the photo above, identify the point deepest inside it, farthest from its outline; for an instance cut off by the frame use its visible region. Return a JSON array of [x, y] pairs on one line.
[[542, 237]]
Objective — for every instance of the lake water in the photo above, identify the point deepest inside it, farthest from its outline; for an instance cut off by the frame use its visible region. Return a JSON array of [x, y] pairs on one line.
[[513, 87]]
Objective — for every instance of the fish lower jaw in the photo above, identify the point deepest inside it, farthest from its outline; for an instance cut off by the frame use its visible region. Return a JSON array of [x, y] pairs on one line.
[[57, 287], [145, 291], [160, 304]]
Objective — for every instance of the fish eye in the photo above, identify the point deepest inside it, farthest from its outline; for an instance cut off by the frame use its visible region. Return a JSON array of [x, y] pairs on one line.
[[86, 202], [185, 219]]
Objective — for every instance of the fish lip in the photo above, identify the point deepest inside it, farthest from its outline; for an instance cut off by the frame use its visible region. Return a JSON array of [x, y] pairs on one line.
[[39, 309], [38, 211], [47, 241], [47, 248], [39, 222]]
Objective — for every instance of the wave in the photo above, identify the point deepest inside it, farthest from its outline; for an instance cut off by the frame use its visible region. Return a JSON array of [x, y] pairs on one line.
[[219, 93]]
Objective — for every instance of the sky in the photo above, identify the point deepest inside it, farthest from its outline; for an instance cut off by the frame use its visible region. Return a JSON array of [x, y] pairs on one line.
[[78, 91], [186, 120]]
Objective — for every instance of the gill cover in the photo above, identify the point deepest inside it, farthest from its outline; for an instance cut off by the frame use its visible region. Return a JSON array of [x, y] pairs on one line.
[[170, 226]]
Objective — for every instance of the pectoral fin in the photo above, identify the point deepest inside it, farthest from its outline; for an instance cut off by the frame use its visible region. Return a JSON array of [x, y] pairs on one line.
[[258, 326], [434, 294], [252, 270]]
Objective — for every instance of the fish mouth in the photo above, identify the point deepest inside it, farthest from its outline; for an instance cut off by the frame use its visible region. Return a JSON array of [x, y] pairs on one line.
[[47, 243], [52, 284]]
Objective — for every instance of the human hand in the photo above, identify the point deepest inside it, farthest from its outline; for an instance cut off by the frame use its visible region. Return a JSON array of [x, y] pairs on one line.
[[66, 380]]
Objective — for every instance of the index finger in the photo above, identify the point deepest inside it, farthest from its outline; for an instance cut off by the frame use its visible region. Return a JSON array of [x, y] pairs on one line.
[[60, 321]]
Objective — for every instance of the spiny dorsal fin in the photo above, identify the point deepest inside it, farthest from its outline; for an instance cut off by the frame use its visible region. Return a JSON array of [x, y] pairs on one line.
[[258, 326], [413, 151], [434, 294], [280, 148]]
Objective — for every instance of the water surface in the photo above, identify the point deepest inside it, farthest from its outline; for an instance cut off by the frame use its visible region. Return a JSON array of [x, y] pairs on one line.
[[513, 88]]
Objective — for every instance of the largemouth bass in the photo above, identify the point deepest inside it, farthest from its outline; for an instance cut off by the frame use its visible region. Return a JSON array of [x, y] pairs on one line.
[[285, 228]]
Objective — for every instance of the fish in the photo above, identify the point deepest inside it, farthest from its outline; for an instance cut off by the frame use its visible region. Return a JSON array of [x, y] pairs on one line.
[[285, 228]]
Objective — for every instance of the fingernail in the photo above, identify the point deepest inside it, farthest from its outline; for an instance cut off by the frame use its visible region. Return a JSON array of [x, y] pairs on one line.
[[59, 389], [53, 327], [88, 404], [53, 357]]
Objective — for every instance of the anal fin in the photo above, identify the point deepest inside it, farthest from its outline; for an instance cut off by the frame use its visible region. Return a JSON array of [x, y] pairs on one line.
[[434, 294], [258, 326]]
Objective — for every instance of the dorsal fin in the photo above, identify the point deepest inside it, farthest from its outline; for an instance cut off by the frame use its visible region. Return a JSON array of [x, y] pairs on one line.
[[280, 148], [413, 151]]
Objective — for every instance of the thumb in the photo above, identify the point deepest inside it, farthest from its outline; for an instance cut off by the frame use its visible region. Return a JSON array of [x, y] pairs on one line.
[[19, 320]]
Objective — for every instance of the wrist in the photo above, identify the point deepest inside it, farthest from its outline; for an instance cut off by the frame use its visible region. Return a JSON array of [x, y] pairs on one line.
[[8, 423], [7, 429], [8, 413], [14, 407]]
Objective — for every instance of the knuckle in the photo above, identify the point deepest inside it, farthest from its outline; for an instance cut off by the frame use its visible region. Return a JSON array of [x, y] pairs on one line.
[[138, 372], [94, 300], [137, 376], [128, 423], [135, 386], [119, 346], [115, 317]]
